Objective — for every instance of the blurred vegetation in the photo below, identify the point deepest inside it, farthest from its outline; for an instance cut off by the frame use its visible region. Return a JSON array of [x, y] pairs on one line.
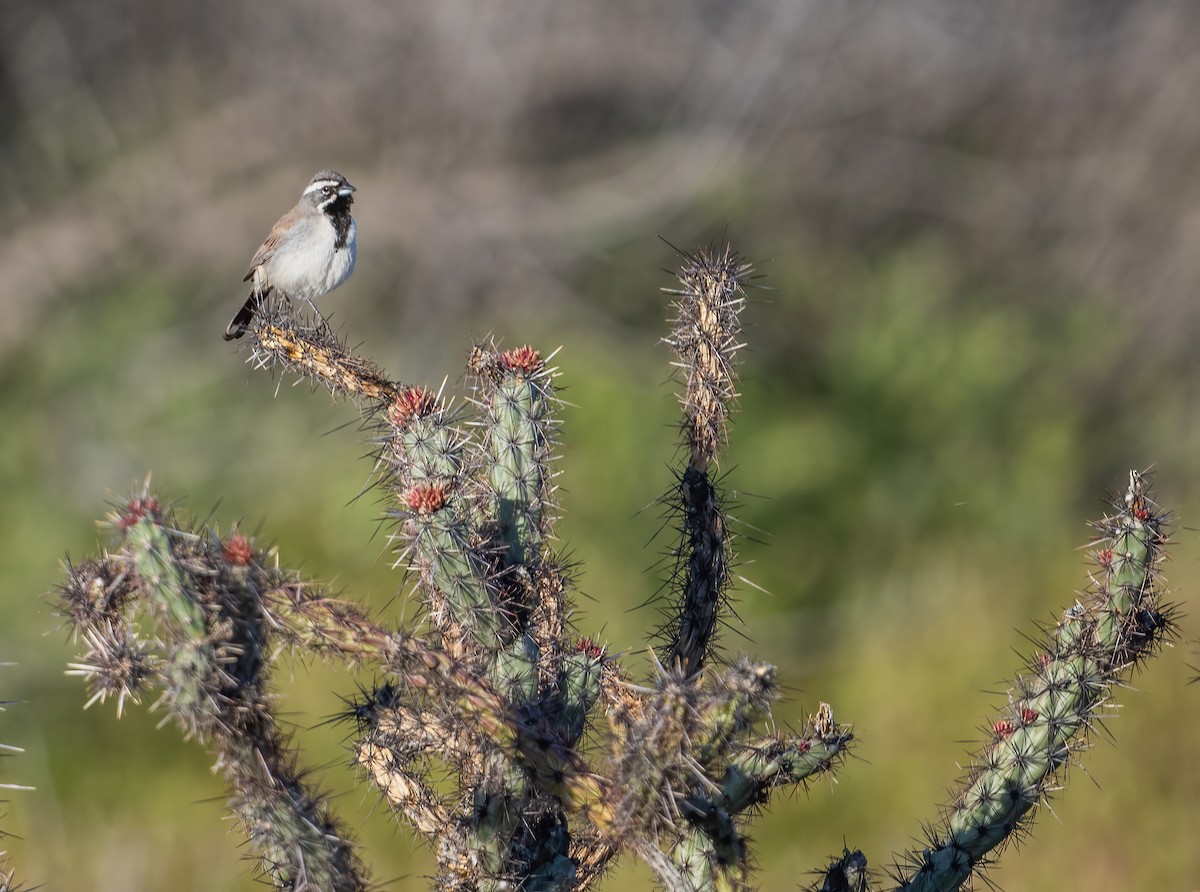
[[975, 229]]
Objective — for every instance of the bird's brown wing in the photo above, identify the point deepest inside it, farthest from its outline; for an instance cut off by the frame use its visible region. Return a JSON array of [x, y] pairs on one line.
[[271, 243]]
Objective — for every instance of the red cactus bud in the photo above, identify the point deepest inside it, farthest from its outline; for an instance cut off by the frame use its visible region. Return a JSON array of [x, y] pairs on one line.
[[1105, 557], [522, 359], [587, 646], [1003, 728], [412, 402], [425, 498], [237, 551], [136, 510], [1028, 716]]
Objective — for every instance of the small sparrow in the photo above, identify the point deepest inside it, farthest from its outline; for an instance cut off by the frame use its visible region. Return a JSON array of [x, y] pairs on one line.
[[309, 251]]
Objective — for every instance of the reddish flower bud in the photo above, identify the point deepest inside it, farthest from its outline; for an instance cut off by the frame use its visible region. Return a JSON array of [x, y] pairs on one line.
[[522, 359], [136, 510], [1003, 728], [425, 498], [591, 648], [412, 402], [237, 551]]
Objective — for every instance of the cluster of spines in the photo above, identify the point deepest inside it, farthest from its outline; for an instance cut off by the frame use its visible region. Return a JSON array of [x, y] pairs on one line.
[[706, 337]]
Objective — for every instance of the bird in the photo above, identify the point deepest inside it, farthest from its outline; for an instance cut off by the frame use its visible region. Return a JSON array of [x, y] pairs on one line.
[[309, 251]]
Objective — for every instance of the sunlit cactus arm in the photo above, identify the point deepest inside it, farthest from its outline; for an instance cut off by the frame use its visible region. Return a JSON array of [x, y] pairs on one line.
[[208, 657], [461, 596], [763, 765], [706, 338], [1109, 631], [425, 457], [514, 390]]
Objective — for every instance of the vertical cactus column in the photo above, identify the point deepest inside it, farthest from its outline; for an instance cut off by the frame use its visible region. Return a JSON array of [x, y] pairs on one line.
[[706, 336]]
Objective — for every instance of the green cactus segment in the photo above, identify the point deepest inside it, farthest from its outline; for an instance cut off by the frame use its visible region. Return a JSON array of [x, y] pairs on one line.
[[299, 844], [710, 859], [163, 579], [428, 447], [1099, 638], [515, 672], [456, 578], [516, 843], [493, 817], [760, 768], [733, 702], [193, 668], [515, 390], [425, 455], [713, 854], [579, 687]]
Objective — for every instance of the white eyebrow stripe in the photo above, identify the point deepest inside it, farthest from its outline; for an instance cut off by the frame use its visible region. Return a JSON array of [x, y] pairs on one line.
[[318, 185]]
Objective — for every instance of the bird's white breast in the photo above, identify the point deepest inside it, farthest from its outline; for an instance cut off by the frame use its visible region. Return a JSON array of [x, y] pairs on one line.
[[306, 265]]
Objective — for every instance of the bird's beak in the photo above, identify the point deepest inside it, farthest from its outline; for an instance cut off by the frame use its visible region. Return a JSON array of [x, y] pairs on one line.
[[346, 190]]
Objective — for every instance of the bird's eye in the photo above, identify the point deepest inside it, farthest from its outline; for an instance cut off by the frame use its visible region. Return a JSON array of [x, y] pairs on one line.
[[329, 190]]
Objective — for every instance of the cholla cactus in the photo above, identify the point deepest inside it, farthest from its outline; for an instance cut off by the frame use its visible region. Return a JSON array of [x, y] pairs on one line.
[[561, 761]]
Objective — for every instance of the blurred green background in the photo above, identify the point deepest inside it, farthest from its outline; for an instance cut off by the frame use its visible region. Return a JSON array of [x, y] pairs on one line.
[[976, 228]]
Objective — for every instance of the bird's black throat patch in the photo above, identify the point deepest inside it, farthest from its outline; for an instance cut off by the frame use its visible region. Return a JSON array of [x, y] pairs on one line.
[[338, 212]]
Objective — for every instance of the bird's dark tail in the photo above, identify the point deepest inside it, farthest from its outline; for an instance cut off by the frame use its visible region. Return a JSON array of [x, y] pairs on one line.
[[241, 322]]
